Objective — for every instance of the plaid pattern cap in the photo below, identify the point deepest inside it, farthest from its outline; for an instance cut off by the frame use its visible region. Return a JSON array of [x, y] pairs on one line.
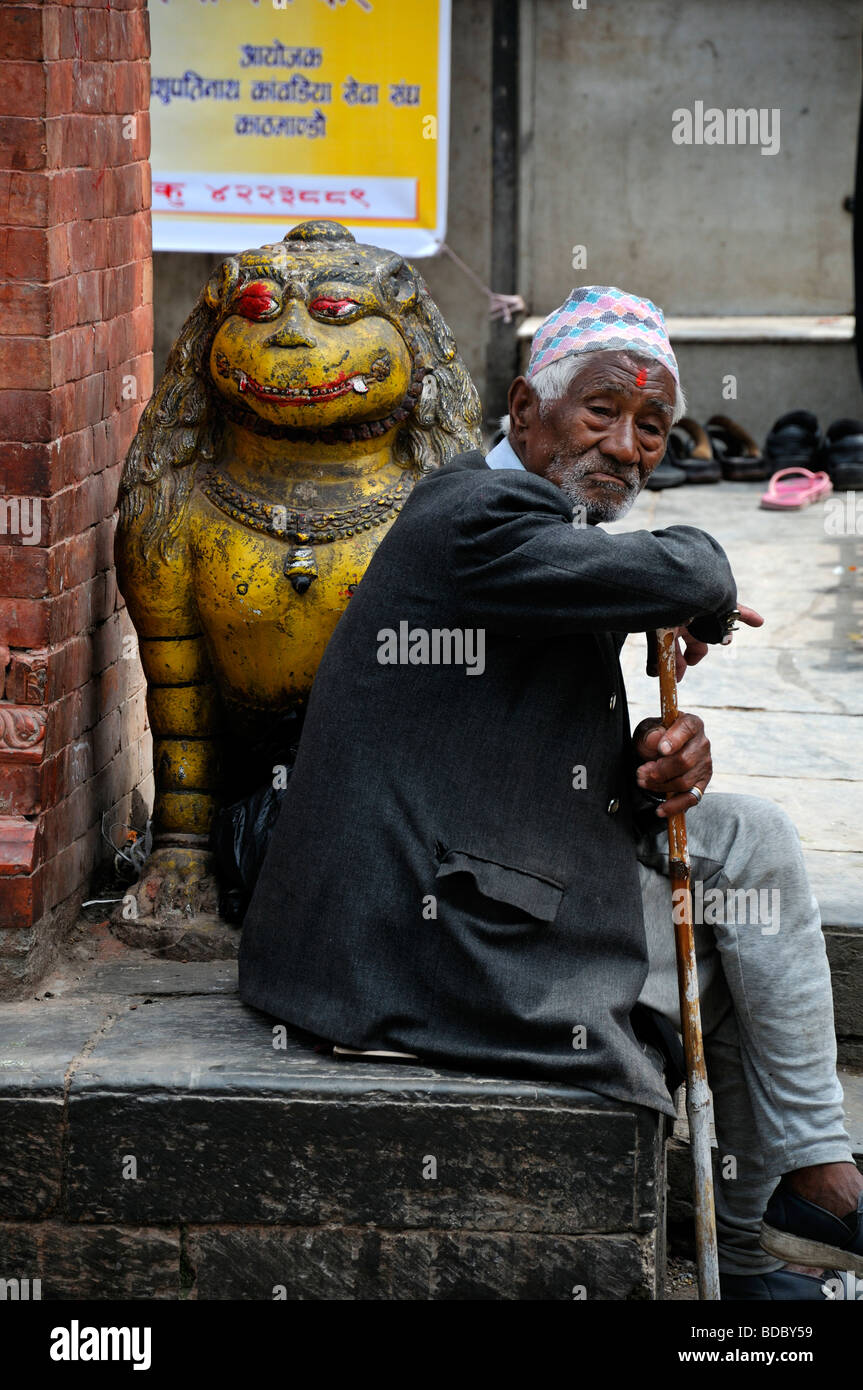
[[597, 318]]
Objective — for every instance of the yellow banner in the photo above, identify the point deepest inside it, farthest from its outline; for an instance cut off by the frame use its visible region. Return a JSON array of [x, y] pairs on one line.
[[267, 112]]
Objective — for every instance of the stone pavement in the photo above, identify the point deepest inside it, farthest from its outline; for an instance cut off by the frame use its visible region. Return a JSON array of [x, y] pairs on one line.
[[783, 705]]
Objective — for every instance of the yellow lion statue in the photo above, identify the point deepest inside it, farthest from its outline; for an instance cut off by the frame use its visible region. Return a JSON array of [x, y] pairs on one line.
[[312, 384]]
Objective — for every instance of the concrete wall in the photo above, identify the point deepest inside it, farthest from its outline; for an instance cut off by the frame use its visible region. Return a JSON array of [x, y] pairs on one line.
[[771, 379], [700, 229]]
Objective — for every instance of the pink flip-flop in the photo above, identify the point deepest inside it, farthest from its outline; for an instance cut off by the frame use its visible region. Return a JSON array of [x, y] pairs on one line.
[[807, 488]]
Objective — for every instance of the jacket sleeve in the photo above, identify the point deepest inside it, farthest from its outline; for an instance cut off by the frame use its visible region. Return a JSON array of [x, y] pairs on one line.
[[519, 564]]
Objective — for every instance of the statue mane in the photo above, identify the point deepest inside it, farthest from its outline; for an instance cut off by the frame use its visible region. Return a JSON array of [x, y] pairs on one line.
[[181, 425]]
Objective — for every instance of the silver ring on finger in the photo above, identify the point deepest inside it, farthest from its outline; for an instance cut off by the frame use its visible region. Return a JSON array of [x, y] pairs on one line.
[[698, 794]]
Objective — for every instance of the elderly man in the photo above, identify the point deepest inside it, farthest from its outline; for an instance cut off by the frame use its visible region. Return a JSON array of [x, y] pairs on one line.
[[468, 866]]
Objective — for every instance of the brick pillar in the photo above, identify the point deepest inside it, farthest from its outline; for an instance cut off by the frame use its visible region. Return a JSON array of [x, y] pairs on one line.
[[76, 365]]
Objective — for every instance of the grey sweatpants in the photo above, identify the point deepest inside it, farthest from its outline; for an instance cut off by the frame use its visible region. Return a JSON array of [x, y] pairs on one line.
[[767, 1007]]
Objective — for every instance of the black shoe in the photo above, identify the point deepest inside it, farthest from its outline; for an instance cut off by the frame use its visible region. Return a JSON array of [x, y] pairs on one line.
[[691, 450], [794, 441], [739, 456], [665, 474], [799, 1231], [779, 1287], [842, 454]]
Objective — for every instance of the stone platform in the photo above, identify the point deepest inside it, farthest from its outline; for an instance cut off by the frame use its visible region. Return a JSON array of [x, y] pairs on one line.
[[156, 1145]]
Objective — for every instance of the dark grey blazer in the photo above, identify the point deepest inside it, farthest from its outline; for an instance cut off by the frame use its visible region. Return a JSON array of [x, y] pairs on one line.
[[439, 881]]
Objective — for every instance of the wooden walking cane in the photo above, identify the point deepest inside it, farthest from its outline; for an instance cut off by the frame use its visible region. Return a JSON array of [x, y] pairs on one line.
[[697, 1094]]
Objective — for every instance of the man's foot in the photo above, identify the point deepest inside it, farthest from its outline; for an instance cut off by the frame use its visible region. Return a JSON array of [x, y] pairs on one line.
[[799, 1229], [781, 1286], [833, 1186]]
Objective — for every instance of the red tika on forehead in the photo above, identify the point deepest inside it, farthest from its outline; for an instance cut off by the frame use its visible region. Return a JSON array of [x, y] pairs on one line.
[[642, 377]]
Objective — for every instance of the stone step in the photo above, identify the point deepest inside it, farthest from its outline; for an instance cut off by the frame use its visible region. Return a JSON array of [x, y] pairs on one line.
[[157, 1144], [845, 953]]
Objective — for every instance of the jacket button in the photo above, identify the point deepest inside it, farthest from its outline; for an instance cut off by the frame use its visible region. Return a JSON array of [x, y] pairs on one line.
[[612, 702], [613, 806]]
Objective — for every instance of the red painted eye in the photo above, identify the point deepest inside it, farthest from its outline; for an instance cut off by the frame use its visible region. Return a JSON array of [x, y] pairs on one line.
[[333, 308], [256, 302]]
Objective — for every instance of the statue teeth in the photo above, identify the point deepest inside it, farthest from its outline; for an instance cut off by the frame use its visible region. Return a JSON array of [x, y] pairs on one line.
[[243, 382], [359, 385]]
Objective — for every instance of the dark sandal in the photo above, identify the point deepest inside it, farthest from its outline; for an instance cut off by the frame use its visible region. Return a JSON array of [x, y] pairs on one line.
[[692, 451], [665, 474], [740, 458], [794, 441], [842, 456]]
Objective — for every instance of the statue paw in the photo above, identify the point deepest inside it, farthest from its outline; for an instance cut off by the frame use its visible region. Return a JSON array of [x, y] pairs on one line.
[[174, 907], [177, 881]]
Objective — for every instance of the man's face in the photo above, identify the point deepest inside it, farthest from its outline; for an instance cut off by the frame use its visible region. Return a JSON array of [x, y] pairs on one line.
[[601, 441]]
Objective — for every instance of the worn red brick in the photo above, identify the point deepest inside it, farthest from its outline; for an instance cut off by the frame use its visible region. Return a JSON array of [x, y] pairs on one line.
[[71, 561], [74, 36], [22, 88], [111, 487], [24, 622], [25, 363], [76, 195], [98, 38], [88, 245], [72, 354], [24, 309], [23, 142], [23, 571], [70, 666], [18, 840], [73, 461], [68, 821], [35, 253], [64, 873], [24, 198], [133, 40], [127, 137], [78, 141], [21, 900], [21, 789], [26, 469], [20, 32], [90, 295], [26, 416], [78, 403], [122, 190]]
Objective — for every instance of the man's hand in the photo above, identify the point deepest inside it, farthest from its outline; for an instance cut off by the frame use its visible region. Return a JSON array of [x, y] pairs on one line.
[[693, 650], [673, 761]]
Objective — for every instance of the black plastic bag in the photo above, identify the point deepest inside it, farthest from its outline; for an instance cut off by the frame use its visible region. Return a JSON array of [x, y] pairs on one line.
[[239, 838]]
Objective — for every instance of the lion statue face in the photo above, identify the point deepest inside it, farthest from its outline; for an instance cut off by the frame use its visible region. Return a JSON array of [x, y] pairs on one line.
[[316, 338], [309, 343]]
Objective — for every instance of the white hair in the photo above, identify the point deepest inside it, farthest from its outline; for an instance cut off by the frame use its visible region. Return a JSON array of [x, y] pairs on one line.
[[554, 380]]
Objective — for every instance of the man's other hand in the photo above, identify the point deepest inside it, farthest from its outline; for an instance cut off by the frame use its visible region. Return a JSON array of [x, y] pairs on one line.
[[693, 651], [673, 761]]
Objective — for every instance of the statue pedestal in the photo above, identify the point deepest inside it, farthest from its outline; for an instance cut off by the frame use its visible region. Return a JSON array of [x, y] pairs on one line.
[[193, 1158], [203, 937]]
